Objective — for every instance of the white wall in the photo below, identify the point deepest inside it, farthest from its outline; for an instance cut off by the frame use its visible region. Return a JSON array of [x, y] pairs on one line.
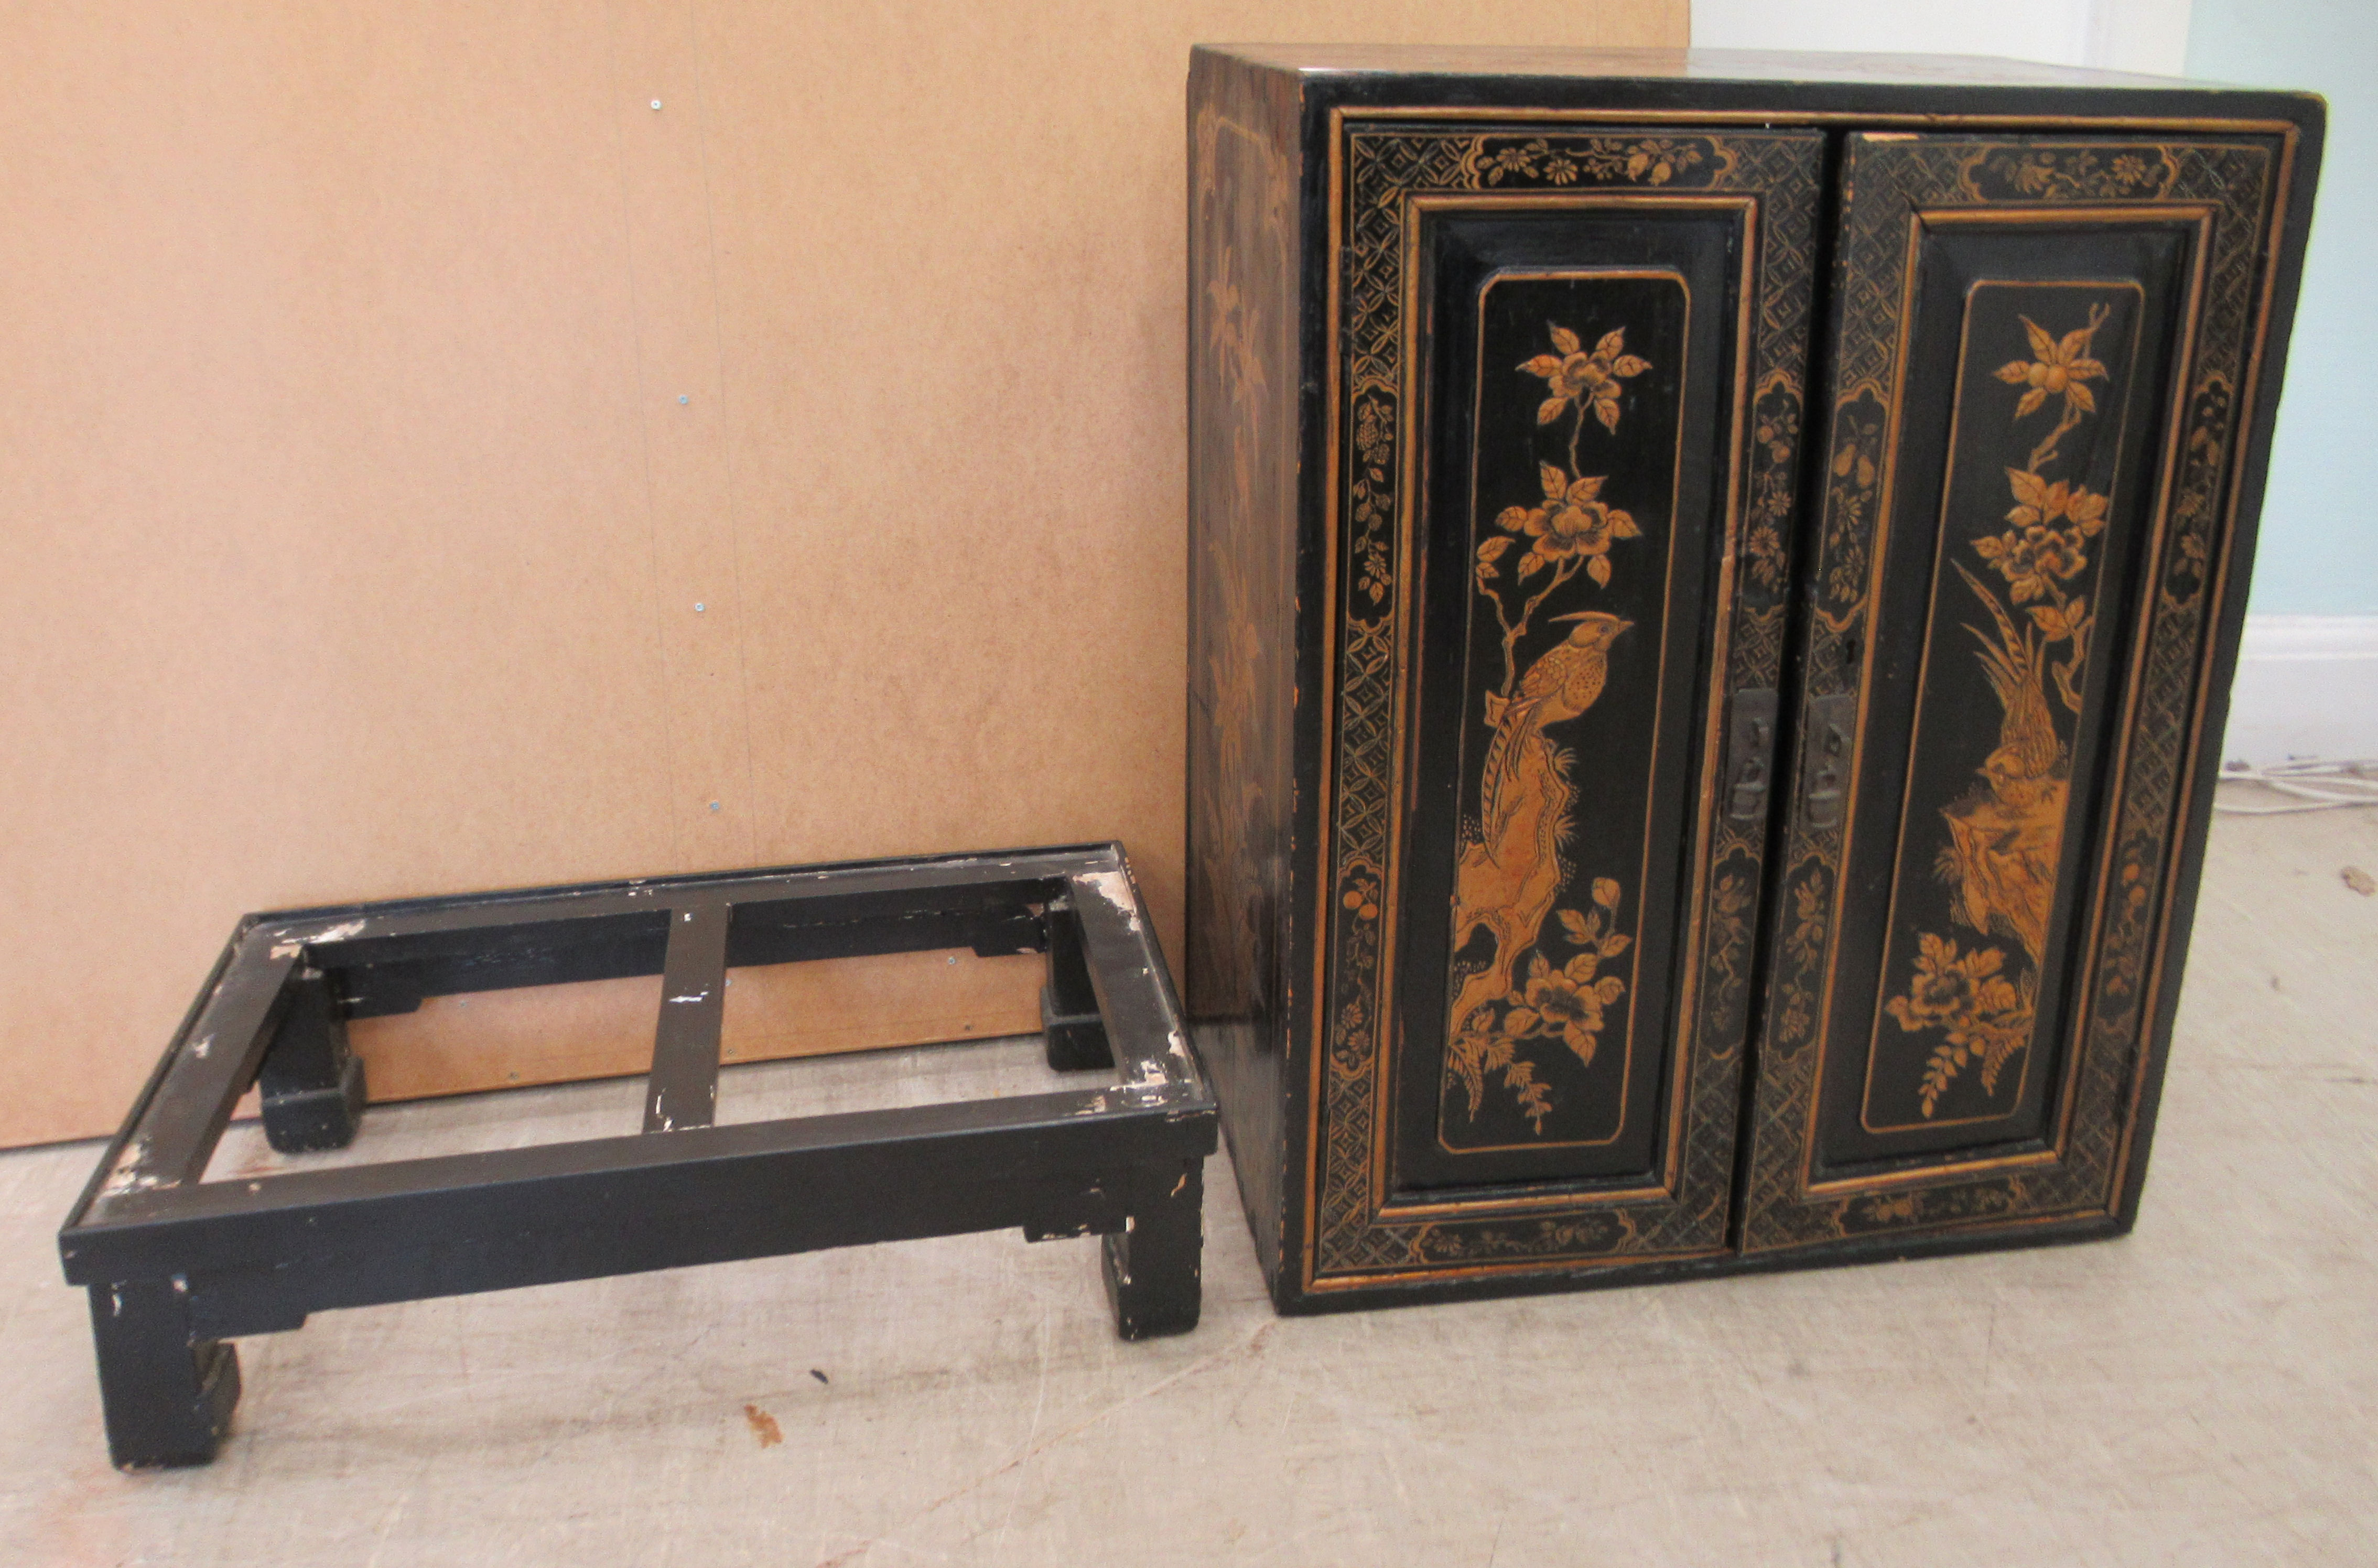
[[2123, 35], [2319, 554], [2308, 677]]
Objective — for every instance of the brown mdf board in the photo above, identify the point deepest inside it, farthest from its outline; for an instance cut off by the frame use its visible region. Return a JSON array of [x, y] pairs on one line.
[[431, 467]]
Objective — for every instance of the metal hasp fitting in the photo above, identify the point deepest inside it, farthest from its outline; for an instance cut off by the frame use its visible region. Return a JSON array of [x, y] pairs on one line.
[[177, 1265]]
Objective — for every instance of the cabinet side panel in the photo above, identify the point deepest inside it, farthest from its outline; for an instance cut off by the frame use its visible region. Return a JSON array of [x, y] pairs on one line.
[[1243, 515]]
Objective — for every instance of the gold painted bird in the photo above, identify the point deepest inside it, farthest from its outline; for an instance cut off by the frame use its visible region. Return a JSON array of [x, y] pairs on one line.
[[1557, 687], [1511, 873], [2005, 840]]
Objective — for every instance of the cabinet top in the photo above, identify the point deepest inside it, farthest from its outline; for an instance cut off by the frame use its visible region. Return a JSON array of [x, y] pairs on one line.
[[1352, 68]]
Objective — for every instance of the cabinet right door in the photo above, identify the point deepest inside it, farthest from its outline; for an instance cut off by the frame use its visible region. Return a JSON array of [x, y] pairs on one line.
[[2040, 349]]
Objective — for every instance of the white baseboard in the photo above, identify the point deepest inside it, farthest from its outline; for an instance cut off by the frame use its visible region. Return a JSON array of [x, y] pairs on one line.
[[2307, 687]]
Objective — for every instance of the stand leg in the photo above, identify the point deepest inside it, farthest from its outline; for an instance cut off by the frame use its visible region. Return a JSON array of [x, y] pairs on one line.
[[1152, 1265], [168, 1398], [1069, 1007], [312, 1085]]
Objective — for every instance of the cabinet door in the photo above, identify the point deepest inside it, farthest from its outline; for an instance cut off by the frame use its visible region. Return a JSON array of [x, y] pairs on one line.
[[1567, 405], [2041, 348]]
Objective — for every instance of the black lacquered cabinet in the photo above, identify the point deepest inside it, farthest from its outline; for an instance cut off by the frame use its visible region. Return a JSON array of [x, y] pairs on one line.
[[1712, 595]]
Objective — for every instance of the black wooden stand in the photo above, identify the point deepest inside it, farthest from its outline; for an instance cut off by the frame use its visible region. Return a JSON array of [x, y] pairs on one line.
[[177, 1265]]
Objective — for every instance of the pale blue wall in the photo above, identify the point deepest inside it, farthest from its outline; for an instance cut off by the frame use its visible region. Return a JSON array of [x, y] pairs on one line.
[[2319, 552]]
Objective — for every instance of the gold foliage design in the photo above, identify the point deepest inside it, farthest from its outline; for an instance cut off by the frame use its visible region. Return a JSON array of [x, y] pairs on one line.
[[1981, 1015], [1653, 161], [1730, 905], [1512, 864], [1852, 474], [1582, 1235], [1238, 764], [1372, 506], [1776, 433], [2006, 835], [2070, 173]]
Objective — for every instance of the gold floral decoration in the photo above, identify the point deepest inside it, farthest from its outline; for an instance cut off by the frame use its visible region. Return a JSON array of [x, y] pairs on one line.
[[2058, 366], [1730, 902], [1777, 434], [1849, 499], [1980, 1012], [2005, 835], [1808, 938], [2071, 173], [2038, 558], [1571, 522], [1362, 898], [1574, 376], [1511, 864], [1566, 1004], [2038, 503], [1372, 444]]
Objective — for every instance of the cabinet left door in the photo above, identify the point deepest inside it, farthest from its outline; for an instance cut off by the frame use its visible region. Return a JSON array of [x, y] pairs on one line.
[[1566, 363]]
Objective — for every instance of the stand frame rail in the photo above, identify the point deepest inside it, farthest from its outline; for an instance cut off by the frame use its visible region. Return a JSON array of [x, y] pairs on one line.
[[177, 1265]]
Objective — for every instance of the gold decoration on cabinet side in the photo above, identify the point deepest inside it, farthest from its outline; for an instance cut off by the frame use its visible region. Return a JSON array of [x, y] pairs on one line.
[[1238, 765], [2006, 836], [1511, 867]]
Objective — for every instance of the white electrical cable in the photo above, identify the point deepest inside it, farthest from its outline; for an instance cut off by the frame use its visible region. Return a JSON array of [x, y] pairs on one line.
[[2315, 786]]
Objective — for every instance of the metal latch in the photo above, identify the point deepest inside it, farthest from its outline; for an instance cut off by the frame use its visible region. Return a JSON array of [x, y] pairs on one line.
[[1749, 755], [1825, 758]]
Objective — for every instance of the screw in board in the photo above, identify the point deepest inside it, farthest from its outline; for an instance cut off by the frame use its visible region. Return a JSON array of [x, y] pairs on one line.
[[683, 397], [699, 608], [656, 102]]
